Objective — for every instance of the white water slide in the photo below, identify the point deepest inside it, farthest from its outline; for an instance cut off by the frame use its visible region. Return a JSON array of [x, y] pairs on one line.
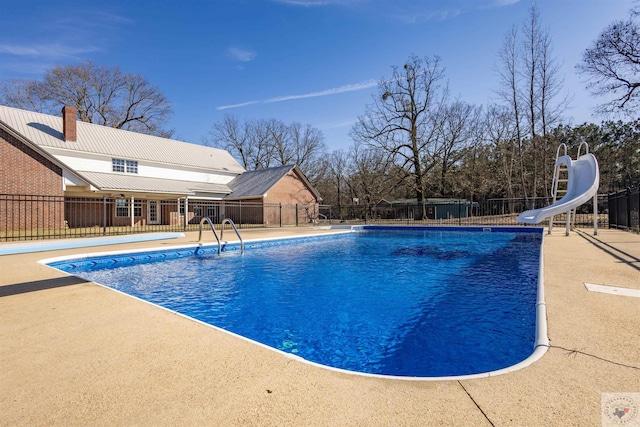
[[582, 184]]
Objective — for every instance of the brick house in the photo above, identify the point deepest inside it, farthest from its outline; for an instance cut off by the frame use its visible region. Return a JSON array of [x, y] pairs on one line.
[[284, 185], [123, 178]]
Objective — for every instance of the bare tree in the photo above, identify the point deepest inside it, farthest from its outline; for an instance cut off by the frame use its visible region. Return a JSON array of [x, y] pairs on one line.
[[530, 85], [510, 94], [531, 95], [280, 139], [401, 120], [338, 165], [370, 179], [260, 144], [254, 143], [501, 136], [612, 66], [456, 133], [23, 94], [306, 143], [102, 95], [230, 135]]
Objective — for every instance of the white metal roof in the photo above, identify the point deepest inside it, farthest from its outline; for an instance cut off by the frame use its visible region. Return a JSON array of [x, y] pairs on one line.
[[134, 183], [46, 131]]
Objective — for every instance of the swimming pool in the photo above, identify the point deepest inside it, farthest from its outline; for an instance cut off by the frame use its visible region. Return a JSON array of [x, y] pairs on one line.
[[395, 301]]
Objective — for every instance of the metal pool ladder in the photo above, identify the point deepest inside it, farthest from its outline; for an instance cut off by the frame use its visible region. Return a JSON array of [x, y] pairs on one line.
[[207, 219], [224, 221], [230, 221]]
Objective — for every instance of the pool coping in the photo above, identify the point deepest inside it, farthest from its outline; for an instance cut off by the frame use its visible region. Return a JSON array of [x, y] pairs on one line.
[[75, 353], [82, 242], [541, 341]]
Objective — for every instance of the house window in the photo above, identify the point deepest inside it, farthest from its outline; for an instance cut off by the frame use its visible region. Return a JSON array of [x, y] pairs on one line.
[[137, 208], [132, 166], [117, 165], [122, 208], [121, 165], [211, 212]]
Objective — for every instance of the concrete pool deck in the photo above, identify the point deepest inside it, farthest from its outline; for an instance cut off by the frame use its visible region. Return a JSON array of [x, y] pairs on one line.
[[74, 353]]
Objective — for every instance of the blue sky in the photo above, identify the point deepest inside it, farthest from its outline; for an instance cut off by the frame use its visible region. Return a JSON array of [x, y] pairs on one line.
[[311, 61]]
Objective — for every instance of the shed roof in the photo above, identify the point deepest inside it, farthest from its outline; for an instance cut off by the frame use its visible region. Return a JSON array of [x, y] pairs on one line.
[[256, 184], [46, 131]]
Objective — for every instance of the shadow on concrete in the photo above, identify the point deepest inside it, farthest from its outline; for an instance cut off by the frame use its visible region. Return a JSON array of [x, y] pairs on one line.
[[39, 285], [618, 254]]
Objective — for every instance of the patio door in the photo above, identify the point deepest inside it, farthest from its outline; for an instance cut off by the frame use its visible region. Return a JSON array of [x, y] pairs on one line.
[[153, 212]]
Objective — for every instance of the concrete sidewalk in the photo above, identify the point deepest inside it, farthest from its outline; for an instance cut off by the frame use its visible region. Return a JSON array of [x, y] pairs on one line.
[[74, 353]]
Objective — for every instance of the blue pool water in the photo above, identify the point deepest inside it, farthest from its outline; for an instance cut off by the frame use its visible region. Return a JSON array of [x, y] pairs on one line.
[[407, 302]]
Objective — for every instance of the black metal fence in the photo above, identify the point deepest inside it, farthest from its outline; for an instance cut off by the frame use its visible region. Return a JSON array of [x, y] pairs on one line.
[[31, 217], [624, 209], [45, 217], [457, 212]]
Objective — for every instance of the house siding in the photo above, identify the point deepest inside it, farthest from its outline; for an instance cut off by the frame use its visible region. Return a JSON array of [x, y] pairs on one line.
[[23, 171], [291, 190]]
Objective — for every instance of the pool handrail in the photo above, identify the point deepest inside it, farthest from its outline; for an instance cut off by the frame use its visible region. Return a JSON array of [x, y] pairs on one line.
[[207, 219], [230, 221]]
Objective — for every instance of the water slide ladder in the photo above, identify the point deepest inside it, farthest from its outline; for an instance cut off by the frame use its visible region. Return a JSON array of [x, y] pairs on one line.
[[224, 221], [560, 184]]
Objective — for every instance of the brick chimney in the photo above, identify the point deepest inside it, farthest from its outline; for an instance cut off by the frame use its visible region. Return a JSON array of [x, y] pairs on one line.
[[69, 115]]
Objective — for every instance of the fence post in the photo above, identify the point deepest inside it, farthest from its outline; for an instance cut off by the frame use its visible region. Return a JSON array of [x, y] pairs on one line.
[[637, 229], [609, 205], [366, 212], [186, 212], [104, 215], [280, 213], [628, 203], [296, 214]]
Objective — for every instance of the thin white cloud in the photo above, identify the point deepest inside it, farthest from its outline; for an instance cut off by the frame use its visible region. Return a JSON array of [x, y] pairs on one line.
[[333, 91], [496, 4], [341, 124], [500, 3], [24, 67], [418, 11], [303, 3], [315, 3], [242, 104], [241, 55], [45, 50], [438, 15]]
